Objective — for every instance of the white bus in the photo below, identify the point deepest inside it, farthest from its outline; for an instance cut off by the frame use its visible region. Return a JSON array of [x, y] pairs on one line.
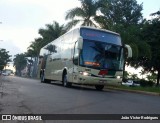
[[84, 55]]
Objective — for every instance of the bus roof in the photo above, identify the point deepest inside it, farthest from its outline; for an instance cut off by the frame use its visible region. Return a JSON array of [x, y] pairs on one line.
[[86, 27]]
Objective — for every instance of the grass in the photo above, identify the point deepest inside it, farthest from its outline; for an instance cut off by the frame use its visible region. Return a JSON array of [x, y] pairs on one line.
[[147, 89]]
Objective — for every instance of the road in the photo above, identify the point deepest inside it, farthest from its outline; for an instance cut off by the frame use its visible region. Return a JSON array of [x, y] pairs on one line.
[[29, 96]]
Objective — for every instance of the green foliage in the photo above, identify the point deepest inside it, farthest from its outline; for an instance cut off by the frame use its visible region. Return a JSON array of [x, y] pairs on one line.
[[152, 77], [86, 14], [125, 76], [145, 83], [20, 63], [134, 76], [51, 32], [34, 48], [4, 58], [48, 34], [125, 17], [120, 13], [150, 32], [139, 88]]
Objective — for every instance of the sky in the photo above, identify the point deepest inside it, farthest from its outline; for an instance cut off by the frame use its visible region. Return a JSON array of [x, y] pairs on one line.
[[20, 20]]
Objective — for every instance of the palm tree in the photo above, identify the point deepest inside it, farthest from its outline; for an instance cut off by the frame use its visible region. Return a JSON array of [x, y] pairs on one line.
[[33, 52], [51, 32], [86, 14], [48, 34], [34, 48]]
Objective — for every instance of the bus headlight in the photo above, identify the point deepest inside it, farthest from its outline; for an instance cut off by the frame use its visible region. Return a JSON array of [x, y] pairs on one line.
[[118, 77], [85, 73]]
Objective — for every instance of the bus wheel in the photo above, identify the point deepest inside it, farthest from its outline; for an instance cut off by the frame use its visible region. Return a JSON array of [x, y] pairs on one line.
[[99, 87], [65, 81]]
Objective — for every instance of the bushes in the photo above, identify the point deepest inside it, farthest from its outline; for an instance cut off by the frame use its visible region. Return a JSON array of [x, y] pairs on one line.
[[145, 83]]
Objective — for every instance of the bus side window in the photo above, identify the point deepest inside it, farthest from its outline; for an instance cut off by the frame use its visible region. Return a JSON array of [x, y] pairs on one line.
[[75, 56]]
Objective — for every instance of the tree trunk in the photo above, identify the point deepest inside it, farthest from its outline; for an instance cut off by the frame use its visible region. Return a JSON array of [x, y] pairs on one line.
[[158, 77]]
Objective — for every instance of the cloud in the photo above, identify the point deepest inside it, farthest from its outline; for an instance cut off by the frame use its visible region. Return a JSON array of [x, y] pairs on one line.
[[34, 12], [9, 46], [21, 19], [20, 37]]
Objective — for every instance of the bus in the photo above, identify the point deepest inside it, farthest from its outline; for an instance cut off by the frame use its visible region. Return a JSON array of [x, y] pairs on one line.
[[84, 55]]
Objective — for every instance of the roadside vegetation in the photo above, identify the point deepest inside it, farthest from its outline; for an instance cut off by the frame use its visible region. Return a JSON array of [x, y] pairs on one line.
[[146, 88], [4, 58], [121, 16]]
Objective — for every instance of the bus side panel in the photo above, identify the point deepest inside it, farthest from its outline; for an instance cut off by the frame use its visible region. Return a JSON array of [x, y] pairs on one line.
[[67, 53]]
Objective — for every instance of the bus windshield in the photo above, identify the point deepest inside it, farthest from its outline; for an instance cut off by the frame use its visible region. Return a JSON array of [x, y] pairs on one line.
[[101, 55]]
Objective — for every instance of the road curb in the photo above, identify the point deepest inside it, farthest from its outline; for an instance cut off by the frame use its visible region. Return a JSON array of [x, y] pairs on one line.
[[134, 91]]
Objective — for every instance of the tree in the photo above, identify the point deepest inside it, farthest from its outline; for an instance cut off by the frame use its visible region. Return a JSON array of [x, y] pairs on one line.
[[122, 16], [150, 33], [86, 14], [120, 13], [4, 58], [142, 73], [152, 77], [48, 34], [156, 14], [125, 17], [51, 32], [20, 63], [134, 76], [34, 48]]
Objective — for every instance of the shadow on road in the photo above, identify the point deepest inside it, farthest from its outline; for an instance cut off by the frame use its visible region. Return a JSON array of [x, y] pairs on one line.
[[80, 87]]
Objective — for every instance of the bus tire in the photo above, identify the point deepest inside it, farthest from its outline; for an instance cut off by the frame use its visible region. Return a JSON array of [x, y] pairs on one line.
[[65, 81], [99, 87]]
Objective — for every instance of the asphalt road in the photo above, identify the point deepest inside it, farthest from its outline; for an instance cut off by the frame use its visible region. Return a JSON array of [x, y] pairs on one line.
[[28, 96]]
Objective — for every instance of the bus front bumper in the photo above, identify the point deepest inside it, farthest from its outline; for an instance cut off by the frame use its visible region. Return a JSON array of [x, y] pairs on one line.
[[89, 80]]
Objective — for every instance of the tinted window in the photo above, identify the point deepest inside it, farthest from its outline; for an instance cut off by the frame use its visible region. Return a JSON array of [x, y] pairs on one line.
[[101, 55]]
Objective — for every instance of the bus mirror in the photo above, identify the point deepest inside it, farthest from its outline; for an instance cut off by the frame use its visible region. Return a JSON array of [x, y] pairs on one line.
[[129, 51], [80, 43]]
